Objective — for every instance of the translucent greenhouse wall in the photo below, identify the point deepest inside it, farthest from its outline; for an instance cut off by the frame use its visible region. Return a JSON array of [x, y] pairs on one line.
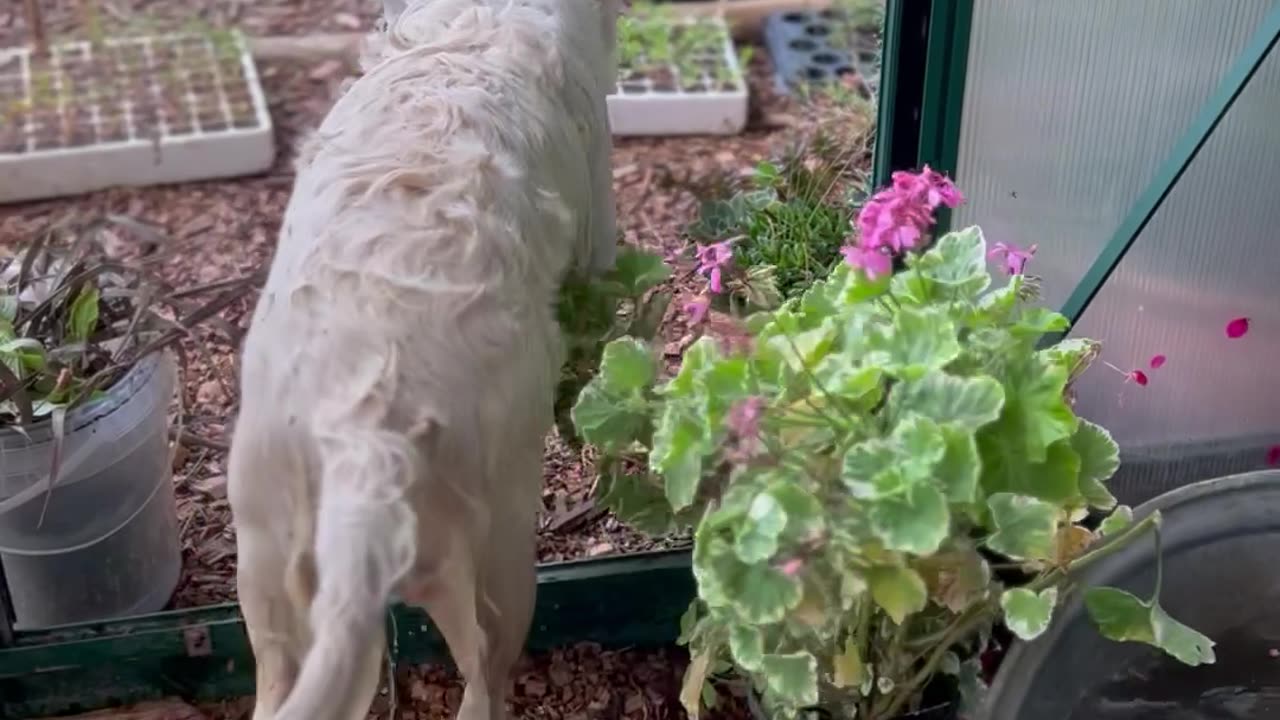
[[1069, 110]]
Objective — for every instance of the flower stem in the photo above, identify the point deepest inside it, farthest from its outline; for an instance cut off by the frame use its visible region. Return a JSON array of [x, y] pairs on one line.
[[970, 619]]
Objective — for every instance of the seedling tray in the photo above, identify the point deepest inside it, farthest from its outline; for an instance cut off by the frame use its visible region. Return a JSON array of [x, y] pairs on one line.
[[702, 93], [130, 111], [815, 47]]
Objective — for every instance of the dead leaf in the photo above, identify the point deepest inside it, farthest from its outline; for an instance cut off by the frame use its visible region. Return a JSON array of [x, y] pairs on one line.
[[1070, 543], [956, 578]]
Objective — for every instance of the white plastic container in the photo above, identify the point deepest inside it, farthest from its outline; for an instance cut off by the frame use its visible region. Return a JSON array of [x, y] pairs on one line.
[[131, 111], [108, 546], [713, 103]]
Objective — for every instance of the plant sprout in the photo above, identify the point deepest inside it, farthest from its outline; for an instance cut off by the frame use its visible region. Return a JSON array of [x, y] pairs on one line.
[[653, 40]]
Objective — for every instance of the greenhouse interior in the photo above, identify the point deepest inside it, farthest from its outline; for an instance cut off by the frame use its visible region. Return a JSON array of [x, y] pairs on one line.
[[644, 360]]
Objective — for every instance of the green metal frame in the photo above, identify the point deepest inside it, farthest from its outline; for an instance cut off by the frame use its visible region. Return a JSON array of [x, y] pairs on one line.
[[891, 39], [203, 654], [919, 115], [941, 108]]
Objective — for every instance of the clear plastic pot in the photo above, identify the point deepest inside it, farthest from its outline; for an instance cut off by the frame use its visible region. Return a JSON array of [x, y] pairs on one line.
[[108, 546]]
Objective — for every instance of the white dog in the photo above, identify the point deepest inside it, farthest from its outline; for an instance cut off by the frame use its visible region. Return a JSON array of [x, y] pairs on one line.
[[398, 376]]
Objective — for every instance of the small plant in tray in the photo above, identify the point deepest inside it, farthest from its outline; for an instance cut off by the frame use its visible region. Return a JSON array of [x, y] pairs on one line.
[[676, 75], [130, 109]]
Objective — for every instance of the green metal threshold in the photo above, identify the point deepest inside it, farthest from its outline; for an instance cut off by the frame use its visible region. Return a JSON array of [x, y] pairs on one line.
[[203, 654]]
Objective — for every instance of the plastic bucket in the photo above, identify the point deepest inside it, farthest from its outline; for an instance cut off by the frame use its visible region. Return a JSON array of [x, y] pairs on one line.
[[108, 546]]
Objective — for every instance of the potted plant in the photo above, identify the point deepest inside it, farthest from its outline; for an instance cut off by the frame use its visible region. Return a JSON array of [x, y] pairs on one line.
[[136, 109], [88, 527], [878, 471], [676, 76]]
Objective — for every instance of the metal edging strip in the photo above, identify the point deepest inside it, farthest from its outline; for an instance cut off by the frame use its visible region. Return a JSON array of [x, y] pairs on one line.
[[203, 654], [1183, 153]]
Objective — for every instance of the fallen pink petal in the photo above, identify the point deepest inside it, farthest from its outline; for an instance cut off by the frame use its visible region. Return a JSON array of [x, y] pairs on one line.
[[1157, 362], [1139, 377], [1237, 328], [712, 259], [1273, 455], [792, 567], [697, 310], [744, 417]]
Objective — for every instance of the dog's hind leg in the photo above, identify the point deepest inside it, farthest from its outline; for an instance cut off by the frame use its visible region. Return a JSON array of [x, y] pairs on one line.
[[509, 577], [275, 573]]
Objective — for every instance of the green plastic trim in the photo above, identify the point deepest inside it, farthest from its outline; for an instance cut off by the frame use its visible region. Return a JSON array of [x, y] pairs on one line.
[[203, 654], [942, 107], [1184, 152], [890, 40]]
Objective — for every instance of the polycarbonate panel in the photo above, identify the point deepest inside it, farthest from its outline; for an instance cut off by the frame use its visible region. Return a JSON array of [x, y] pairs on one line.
[[1210, 254], [1071, 106]]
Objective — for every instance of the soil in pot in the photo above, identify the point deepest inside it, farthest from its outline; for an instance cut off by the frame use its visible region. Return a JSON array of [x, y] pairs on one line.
[[662, 80], [107, 544]]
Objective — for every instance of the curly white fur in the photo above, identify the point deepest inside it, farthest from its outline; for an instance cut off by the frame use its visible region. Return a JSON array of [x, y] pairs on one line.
[[397, 378]]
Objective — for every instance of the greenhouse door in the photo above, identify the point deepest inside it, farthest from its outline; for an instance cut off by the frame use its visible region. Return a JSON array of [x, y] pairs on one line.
[[1135, 143]]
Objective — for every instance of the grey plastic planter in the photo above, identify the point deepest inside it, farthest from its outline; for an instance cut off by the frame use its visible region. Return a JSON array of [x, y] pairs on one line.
[[1221, 576], [109, 543]]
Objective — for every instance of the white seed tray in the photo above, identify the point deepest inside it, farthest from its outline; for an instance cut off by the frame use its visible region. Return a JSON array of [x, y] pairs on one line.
[[709, 105], [130, 111]]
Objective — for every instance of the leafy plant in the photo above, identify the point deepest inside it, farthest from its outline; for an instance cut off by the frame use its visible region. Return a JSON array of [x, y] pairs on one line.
[[786, 227], [595, 311], [73, 320], [890, 467]]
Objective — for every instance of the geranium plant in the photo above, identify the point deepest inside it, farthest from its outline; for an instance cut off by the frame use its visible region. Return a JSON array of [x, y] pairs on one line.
[[887, 468], [594, 310]]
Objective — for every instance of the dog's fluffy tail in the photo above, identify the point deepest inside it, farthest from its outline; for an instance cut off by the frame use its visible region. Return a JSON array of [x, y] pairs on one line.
[[364, 544]]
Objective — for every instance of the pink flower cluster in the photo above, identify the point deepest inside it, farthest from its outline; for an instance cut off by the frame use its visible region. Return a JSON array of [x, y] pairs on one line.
[[897, 218], [713, 260]]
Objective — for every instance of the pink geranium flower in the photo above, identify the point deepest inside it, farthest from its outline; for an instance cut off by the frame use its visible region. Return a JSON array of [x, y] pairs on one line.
[[897, 219], [712, 259], [874, 262], [1014, 258]]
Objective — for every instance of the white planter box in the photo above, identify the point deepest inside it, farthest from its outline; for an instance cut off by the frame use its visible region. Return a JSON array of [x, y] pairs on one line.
[[133, 111], [711, 98]]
